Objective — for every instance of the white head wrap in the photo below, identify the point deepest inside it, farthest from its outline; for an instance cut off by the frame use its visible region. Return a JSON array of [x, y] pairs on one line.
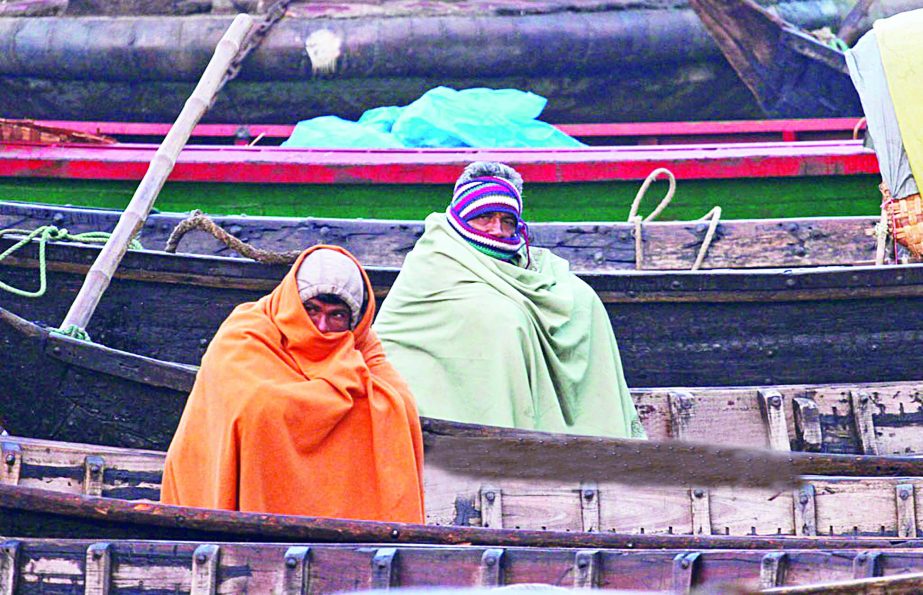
[[330, 272]]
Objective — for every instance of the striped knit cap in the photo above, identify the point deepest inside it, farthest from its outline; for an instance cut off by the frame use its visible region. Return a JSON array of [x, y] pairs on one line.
[[482, 195]]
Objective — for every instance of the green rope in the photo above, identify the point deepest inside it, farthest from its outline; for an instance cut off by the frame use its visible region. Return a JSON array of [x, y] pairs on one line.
[[72, 331], [45, 234], [838, 44]]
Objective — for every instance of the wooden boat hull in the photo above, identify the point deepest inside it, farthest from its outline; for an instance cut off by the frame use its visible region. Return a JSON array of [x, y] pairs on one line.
[[788, 71], [151, 64], [132, 566], [759, 180], [30, 512], [848, 506], [87, 392], [773, 326], [591, 247]]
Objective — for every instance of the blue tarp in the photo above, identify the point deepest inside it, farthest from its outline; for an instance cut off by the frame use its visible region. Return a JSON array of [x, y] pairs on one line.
[[442, 117]]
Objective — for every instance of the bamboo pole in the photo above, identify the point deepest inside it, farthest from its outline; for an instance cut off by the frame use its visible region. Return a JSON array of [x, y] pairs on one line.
[[136, 213]]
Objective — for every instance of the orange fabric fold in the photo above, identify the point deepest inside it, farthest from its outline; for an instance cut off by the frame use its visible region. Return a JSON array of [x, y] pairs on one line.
[[286, 419]]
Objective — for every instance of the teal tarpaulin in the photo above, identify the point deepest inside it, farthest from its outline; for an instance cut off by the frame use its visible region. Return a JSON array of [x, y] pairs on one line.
[[442, 117]]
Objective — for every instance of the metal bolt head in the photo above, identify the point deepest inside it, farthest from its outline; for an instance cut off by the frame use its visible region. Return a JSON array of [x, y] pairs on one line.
[[490, 560], [582, 562], [10, 458], [200, 558], [95, 468], [775, 401], [803, 498], [698, 492], [97, 554], [382, 564], [588, 494], [684, 563], [905, 494], [491, 496], [291, 562], [395, 533]]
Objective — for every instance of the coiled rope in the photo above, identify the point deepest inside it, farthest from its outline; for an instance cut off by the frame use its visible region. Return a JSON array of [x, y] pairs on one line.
[[713, 217], [45, 234]]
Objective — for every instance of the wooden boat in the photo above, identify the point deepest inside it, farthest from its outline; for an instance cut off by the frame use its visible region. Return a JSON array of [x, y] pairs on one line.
[[822, 505], [88, 392], [777, 326], [177, 566], [790, 72], [138, 67], [748, 180], [605, 133], [588, 246]]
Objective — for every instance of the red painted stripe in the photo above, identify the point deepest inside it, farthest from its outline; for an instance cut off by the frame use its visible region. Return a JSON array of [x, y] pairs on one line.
[[653, 130], [275, 165]]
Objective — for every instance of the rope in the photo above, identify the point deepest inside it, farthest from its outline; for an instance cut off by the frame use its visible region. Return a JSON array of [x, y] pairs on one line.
[[45, 234], [714, 217], [73, 331], [859, 126], [198, 220]]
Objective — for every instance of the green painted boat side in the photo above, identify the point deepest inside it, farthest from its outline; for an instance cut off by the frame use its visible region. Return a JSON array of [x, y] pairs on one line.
[[757, 198]]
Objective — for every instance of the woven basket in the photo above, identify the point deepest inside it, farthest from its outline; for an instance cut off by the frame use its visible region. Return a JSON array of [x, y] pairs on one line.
[[905, 219]]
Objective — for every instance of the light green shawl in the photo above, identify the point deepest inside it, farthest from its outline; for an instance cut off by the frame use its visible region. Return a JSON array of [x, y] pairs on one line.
[[485, 341]]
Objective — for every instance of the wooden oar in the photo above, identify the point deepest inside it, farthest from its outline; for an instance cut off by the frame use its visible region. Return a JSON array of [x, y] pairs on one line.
[[133, 218], [488, 452]]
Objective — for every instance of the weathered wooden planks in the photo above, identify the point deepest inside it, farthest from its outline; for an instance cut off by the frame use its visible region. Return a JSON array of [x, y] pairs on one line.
[[587, 246], [325, 568], [833, 506], [764, 326], [94, 394]]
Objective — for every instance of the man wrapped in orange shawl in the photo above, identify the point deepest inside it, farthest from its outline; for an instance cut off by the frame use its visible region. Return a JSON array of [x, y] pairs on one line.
[[285, 418]]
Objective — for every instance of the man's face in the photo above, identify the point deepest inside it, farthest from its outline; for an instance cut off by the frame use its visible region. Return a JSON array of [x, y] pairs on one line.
[[327, 317], [499, 225]]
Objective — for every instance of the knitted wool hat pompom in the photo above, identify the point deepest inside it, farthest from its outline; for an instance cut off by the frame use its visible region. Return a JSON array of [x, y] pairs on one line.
[[332, 273], [487, 194]]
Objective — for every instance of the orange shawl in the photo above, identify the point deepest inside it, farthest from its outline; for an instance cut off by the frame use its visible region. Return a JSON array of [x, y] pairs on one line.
[[286, 419]]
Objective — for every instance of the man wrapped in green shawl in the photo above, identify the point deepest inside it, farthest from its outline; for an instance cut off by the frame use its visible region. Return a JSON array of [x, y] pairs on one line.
[[488, 330]]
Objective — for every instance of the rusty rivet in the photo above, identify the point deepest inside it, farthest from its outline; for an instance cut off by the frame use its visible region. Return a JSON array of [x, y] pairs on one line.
[[588, 494], [490, 560], [10, 458], [905, 494], [200, 558], [698, 492], [491, 496], [291, 562], [684, 563]]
